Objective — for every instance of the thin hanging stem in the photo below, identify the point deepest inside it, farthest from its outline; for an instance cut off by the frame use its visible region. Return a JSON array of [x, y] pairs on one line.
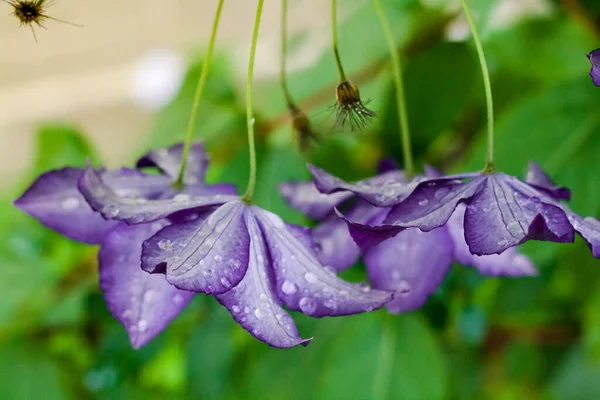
[[336, 51], [385, 361], [199, 89], [409, 167], [489, 161], [249, 112], [283, 71]]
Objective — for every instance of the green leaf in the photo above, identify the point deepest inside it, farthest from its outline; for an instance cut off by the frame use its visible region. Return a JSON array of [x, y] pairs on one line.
[[28, 374], [61, 146]]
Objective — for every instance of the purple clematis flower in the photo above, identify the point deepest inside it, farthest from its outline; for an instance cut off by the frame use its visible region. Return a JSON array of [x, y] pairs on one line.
[[501, 211], [144, 304], [411, 263], [246, 257], [594, 57]]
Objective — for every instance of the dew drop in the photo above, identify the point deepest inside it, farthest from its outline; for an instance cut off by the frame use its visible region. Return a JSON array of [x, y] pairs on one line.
[[177, 298], [404, 287], [225, 282], [142, 325], [307, 305], [289, 288], [514, 228], [263, 297], [181, 198], [423, 202], [331, 304], [364, 287], [311, 278], [150, 296], [258, 314], [218, 258], [441, 193], [70, 203], [234, 264], [235, 309], [502, 242], [165, 244], [247, 310], [111, 211]]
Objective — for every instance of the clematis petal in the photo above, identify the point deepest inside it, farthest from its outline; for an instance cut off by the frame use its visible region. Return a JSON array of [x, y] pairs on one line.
[[432, 202], [336, 247], [589, 229], [412, 264], [304, 197], [254, 304], [381, 190], [208, 254], [144, 304], [594, 57], [302, 282], [537, 178], [168, 160], [387, 165], [136, 210], [508, 263], [507, 212], [55, 201]]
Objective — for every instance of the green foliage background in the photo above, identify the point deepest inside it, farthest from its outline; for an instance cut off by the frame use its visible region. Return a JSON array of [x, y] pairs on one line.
[[477, 338]]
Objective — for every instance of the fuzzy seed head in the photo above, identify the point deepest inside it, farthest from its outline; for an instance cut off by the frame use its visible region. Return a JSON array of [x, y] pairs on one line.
[[350, 110]]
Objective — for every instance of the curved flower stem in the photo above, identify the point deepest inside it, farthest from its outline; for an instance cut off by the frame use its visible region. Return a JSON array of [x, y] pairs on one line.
[[489, 162], [198, 95], [385, 361], [283, 70], [249, 112], [336, 51], [409, 167]]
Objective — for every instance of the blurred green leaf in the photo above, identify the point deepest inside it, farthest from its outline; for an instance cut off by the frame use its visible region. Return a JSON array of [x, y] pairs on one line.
[[61, 146]]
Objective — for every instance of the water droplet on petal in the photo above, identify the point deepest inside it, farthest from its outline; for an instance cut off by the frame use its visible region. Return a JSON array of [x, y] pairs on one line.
[[441, 193], [165, 244], [235, 309], [111, 211], [142, 325], [289, 288], [225, 282], [423, 202], [70, 203], [263, 297], [514, 228], [307, 305], [150, 296], [331, 304], [502, 242], [258, 314], [404, 287], [311, 278], [364, 287], [247, 310], [181, 198]]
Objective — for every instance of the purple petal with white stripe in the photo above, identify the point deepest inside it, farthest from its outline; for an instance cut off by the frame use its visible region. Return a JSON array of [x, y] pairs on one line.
[[254, 304], [304, 284], [144, 304], [508, 263], [208, 254], [588, 228], [381, 190], [304, 197], [168, 160], [412, 264], [136, 210], [538, 178], [55, 201], [506, 212]]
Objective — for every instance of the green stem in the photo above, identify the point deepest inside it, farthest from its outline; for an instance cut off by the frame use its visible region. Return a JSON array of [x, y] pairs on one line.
[[489, 161], [336, 52], [199, 89], [249, 112], [409, 167], [387, 354], [283, 71]]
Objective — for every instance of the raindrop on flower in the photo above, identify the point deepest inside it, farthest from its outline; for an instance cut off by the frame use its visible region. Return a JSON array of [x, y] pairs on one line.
[[142, 325], [70, 203], [150, 296], [257, 313], [423, 202], [289, 288], [181, 198], [307, 305], [165, 244], [502, 242]]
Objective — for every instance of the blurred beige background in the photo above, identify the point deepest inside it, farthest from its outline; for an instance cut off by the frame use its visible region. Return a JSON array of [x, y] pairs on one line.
[[84, 75]]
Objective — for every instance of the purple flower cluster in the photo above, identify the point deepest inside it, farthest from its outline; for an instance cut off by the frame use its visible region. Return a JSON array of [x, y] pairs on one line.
[[161, 243], [408, 261]]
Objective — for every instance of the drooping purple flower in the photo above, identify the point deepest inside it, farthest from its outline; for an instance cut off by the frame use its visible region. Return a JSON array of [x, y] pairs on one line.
[[144, 304], [594, 57], [501, 211], [248, 258], [411, 263]]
